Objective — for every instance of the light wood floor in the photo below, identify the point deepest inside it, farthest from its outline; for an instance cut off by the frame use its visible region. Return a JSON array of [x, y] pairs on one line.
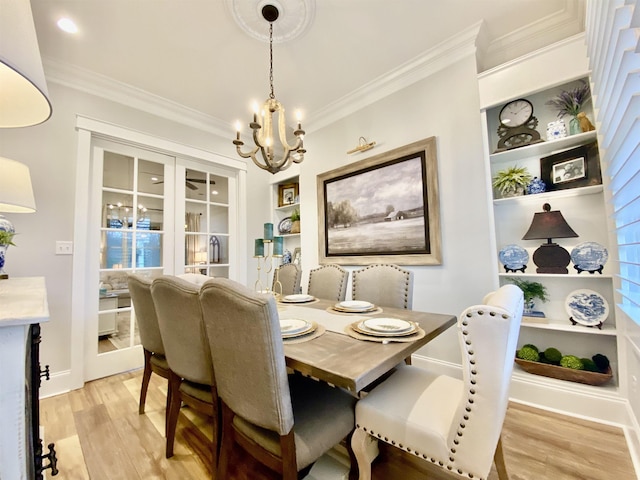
[[100, 436]]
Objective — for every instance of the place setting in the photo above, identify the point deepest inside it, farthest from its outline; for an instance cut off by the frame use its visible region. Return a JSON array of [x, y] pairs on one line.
[[385, 330], [350, 307], [294, 330], [298, 298]]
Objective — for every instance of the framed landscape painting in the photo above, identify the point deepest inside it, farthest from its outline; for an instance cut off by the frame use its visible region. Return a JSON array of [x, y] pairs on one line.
[[383, 209]]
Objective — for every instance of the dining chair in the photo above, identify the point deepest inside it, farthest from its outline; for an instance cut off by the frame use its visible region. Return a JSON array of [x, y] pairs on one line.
[[188, 354], [451, 423], [328, 282], [152, 346], [286, 422], [289, 276], [383, 284]]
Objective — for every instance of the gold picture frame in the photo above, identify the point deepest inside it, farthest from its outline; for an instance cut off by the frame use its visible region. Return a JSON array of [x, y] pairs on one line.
[[383, 209], [287, 194]]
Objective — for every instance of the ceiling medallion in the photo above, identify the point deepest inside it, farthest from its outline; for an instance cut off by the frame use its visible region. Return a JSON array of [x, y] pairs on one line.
[[294, 20]]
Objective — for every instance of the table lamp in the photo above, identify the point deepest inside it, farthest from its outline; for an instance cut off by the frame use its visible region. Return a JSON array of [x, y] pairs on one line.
[[16, 196], [550, 257]]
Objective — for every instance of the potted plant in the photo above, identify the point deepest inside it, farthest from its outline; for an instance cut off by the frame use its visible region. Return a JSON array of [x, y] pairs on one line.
[[512, 181], [6, 239], [571, 102], [531, 291], [295, 221]]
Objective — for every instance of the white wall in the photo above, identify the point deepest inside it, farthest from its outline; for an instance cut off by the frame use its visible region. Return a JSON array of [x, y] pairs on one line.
[[444, 105], [50, 152]]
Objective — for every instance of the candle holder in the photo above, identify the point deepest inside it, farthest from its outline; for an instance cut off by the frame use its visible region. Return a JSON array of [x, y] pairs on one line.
[[266, 250]]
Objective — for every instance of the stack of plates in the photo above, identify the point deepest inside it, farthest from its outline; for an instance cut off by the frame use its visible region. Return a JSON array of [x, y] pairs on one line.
[[296, 327], [354, 306], [385, 327], [298, 298]]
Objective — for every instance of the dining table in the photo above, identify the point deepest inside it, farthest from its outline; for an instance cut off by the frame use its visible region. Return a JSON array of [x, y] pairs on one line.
[[342, 357]]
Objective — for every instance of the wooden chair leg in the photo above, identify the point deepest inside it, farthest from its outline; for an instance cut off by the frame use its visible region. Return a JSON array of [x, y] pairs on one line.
[[174, 411], [146, 376], [365, 449], [498, 458], [227, 441]]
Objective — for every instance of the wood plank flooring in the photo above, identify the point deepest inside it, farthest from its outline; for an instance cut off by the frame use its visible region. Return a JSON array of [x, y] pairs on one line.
[[100, 436]]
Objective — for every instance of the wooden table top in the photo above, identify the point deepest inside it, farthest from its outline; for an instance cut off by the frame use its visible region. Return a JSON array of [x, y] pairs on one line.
[[353, 364]]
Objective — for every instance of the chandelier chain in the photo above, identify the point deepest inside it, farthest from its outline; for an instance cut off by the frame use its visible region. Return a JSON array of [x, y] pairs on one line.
[[272, 95]]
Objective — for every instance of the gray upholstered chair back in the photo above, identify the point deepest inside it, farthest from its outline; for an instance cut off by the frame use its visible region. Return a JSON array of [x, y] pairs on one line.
[[385, 285], [246, 344], [184, 337], [145, 311], [289, 276], [328, 282]]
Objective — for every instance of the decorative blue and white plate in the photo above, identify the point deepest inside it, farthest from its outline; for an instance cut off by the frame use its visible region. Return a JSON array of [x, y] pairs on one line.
[[586, 307], [513, 257], [589, 257]]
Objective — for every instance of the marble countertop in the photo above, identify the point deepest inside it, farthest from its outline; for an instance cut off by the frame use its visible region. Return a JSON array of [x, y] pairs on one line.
[[23, 301]]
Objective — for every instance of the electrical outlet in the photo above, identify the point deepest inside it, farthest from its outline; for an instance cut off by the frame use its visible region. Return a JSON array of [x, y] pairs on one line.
[[64, 248]]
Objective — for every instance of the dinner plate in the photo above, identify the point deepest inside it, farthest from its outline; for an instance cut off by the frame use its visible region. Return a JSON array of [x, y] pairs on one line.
[[362, 329], [290, 326], [587, 307], [298, 298], [388, 325], [354, 306]]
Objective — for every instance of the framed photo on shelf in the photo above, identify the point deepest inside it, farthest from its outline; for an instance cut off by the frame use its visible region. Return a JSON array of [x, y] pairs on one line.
[[287, 194], [382, 209], [573, 168]]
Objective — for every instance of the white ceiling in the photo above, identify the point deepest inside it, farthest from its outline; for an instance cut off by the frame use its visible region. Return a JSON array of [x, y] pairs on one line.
[[193, 54]]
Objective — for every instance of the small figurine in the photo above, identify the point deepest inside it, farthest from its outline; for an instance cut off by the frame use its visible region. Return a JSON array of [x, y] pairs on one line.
[[585, 124]]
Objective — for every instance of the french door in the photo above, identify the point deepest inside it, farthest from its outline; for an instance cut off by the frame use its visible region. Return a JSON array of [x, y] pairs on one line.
[[150, 214]]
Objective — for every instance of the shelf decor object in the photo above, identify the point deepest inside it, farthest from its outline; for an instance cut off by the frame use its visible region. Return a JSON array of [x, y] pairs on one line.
[[512, 181], [265, 250], [564, 373], [517, 125], [571, 103], [264, 133], [16, 196], [589, 257], [513, 258], [550, 257], [587, 308], [573, 168]]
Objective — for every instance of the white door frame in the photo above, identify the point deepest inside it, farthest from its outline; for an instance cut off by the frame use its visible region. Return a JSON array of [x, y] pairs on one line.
[[82, 289]]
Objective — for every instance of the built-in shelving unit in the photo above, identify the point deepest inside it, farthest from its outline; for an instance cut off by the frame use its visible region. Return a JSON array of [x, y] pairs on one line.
[[291, 240]]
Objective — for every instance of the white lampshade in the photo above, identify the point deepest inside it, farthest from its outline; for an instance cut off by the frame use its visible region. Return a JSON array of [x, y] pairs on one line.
[[16, 193], [23, 89]]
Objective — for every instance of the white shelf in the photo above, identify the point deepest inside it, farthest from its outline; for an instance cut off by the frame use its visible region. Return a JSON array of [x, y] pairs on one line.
[[541, 197], [543, 148], [557, 275], [288, 207], [607, 329]]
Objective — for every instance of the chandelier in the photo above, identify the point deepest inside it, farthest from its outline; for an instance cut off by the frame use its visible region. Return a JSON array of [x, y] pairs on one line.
[[272, 158]]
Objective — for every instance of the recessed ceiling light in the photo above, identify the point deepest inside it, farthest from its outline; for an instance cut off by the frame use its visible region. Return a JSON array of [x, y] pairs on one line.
[[214, 192], [154, 179], [67, 25]]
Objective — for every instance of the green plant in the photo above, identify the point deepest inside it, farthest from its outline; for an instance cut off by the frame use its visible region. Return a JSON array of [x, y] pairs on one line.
[[295, 215], [6, 238], [510, 180], [530, 290], [570, 102]]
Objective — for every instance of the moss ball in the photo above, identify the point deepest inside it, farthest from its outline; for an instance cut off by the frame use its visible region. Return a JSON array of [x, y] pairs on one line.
[[571, 361], [530, 345], [528, 353], [553, 355], [601, 361], [589, 365], [544, 359]]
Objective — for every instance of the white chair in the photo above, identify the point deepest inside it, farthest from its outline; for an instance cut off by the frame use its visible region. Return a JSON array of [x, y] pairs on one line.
[[453, 424], [328, 282], [383, 284], [289, 276]]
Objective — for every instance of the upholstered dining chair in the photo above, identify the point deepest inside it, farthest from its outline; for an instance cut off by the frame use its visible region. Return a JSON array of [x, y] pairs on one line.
[[328, 282], [289, 276], [191, 378], [152, 346], [384, 284], [453, 424], [286, 422]]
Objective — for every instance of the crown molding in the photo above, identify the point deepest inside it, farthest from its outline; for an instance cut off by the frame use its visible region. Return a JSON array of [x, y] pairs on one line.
[[93, 83]]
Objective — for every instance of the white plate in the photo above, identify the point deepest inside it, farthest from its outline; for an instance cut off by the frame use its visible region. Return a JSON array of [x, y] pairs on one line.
[[291, 326], [362, 328], [355, 305], [298, 298], [387, 325], [587, 307]]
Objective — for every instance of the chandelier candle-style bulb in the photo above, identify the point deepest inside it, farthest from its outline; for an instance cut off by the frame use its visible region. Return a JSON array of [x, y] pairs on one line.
[[265, 133]]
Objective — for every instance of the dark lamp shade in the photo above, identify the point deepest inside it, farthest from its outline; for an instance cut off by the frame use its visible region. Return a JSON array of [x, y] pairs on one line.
[[549, 224]]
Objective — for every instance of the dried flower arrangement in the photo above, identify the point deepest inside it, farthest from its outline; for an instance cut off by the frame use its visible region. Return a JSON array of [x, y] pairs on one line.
[[571, 102]]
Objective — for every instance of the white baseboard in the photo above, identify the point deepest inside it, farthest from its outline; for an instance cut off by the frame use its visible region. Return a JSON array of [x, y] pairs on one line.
[[58, 383]]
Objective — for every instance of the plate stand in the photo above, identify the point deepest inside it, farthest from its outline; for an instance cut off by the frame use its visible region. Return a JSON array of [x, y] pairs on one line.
[[507, 269], [599, 325], [580, 270]]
